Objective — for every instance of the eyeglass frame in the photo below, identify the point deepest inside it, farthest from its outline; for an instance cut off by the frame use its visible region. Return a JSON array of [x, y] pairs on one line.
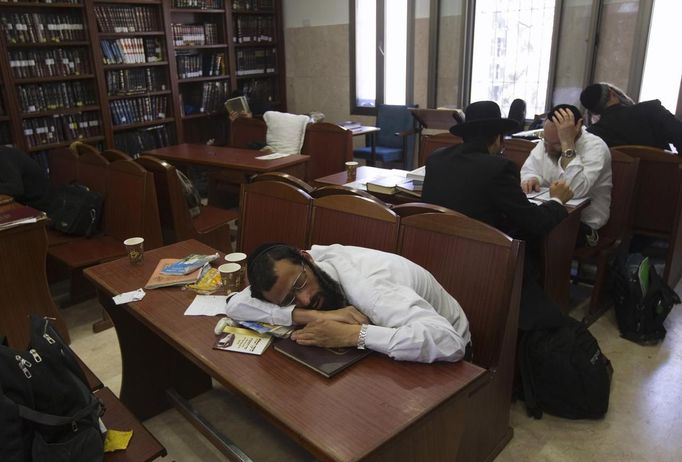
[[295, 288]]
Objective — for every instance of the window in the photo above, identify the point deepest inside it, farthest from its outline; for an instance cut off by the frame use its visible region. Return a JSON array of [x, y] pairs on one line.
[[381, 40], [512, 50]]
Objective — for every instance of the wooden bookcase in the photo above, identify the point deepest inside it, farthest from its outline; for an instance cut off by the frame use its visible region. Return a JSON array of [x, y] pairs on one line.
[[141, 96]]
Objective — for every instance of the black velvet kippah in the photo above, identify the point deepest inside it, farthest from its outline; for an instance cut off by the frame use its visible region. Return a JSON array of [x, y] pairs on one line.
[[594, 97]]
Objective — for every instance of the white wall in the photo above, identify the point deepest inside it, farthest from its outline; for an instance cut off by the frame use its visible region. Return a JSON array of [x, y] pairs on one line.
[[306, 13]]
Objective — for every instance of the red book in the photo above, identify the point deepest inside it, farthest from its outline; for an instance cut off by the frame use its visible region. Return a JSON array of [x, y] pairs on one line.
[[17, 216]]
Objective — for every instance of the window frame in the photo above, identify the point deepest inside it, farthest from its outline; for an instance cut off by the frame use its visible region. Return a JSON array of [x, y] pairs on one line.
[[380, 75]]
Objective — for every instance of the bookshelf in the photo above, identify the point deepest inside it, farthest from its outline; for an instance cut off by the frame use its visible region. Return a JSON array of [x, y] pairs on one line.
[[134, 74], [258, 43], [48, 75]]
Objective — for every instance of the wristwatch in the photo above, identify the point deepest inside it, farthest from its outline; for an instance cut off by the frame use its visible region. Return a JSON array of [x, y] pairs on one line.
[[568, 153], [362, 337]]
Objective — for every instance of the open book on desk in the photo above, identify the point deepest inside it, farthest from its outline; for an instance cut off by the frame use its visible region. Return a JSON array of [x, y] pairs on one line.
[[544, 197], [326, 361]]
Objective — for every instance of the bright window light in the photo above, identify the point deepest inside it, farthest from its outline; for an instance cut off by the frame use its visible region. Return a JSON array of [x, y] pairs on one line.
[[662, 69], [365, 53], [512, 50], [395, 50]]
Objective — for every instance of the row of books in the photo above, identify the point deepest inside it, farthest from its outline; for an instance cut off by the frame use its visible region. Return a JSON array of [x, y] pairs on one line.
[[210, 99], [70, 2], [202, 4], [195, 34], [49, 62], [132, 50], [58, 129], [49, 96], [135, 142], [200, 65], [256, 61], [135, 110], [258, 90], [252, 5], [39, 27], [127, 19], [132, 81], [254, 29]]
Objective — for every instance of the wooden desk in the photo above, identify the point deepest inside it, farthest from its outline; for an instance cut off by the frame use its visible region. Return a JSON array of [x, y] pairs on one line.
[[557, 246], [378, 409], [23, 250], [238, 160], [370, 134]]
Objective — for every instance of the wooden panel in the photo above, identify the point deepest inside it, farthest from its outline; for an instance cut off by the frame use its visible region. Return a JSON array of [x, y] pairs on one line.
[[430, 143], [246, 131], [517, 150], [63, 164], [329, 147], [624, 178], [285, 178], [354, 220], [93, 171], [273, 211]]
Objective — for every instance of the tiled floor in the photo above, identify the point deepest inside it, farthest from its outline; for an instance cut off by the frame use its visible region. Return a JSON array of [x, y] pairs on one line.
[[644, 422]]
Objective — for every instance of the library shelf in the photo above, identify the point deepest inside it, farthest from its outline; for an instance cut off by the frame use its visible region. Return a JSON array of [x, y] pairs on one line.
[[255, 45], [198, 10], [147, 123], [42, 5], [257, 76], [63, 144], [54, 78], [202, 115], [60, 111], [49, 44], [253, 13], [111, 67], [139, 95], [113, 35], [201, 47], [204, 79]]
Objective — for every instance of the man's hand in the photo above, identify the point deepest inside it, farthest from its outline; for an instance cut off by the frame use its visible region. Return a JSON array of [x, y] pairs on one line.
[[531, 184], [328, 334], [567, 129], [561, 191], [348, 315]]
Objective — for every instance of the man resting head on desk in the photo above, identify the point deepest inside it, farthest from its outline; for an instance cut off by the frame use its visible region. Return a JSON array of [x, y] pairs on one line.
[[346, 296]]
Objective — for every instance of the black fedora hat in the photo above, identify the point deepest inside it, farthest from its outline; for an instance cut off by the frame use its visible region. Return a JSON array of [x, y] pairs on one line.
[[484, 116]]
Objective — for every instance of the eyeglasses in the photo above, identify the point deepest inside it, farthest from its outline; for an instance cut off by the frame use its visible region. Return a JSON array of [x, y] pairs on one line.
[[299, 283]]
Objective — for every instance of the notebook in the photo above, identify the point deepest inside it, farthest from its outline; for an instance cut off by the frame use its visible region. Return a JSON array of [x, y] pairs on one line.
[[326, 361]]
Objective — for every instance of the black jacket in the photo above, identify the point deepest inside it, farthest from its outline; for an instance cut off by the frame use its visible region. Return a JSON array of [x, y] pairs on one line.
[[644, 124], [22, 178], [467, 179]]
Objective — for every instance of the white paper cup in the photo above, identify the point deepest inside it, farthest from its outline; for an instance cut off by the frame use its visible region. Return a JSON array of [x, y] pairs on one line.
[[135, 248]]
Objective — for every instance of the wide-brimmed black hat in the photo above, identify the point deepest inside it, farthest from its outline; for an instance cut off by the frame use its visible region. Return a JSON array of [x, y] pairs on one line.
[[484, 116]]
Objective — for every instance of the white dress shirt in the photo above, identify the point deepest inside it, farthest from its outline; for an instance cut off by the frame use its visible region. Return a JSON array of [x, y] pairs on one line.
[[412, 317], [588, 175]]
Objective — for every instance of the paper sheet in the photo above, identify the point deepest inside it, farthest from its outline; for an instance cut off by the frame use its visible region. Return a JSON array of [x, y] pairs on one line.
[[207, 305], [127, 297], [274, 155]]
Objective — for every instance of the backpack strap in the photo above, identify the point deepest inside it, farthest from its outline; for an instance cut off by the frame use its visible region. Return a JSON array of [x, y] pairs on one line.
[[56, 420], [532, 408]]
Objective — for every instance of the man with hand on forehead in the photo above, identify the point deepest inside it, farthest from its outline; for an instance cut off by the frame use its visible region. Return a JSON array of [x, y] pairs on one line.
[[570, 153], [346, 296]]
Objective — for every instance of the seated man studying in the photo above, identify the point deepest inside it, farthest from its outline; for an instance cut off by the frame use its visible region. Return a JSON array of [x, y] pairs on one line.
[[578, 157], [346, 296]]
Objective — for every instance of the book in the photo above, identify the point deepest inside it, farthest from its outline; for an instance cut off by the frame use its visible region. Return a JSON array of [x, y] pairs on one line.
[[242, 341], [265, 328], [410, 187], [188, 264], [417, 174], [349, 125], [326, 361], [5, 199], [158, 279], [239, 105], [385, 184], [19, 216]]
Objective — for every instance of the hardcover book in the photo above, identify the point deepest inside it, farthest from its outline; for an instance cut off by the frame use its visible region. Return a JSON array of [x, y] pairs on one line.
[[326, 361], [159, 279], [18, 216], [385, 184], [239, 105]]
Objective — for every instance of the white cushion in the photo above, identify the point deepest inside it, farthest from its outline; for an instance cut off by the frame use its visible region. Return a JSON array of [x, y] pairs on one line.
[[285, 131]]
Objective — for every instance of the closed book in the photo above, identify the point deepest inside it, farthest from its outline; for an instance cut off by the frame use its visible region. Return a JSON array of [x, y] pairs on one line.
[[239, 105], [242, 341], [326, 361], [417, 174], [18, 216], [385, 184], [410, 187], [158, 279]]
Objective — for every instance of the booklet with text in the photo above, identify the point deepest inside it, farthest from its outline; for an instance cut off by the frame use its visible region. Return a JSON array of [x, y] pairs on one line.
[[242, 341]]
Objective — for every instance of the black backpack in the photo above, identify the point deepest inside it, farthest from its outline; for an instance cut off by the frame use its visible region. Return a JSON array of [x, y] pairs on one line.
[[564, 373], [640, 317], [76, 210], [47, 412]]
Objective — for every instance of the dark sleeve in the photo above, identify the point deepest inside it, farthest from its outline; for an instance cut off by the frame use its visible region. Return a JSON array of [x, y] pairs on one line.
[[10, 179], [671, 127], [531, 219]]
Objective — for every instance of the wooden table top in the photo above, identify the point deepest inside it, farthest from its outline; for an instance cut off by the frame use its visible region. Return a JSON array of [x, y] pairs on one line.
[[364, 172], [225, 157], [343, 418], [365, 130]]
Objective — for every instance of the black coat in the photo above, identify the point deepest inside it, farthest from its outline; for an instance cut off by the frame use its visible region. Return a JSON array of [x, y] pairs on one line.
[[22, 178], [486, 187], [644, 124]]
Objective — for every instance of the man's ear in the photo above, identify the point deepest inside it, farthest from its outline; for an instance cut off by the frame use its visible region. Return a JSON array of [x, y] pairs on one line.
[[306, 256]]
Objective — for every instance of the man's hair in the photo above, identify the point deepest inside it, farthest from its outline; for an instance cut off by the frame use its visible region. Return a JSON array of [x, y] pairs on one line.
[[261, 265], [486, 136], [576, 113]]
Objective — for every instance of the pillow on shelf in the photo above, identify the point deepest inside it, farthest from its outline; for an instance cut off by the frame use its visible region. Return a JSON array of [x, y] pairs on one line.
[[285, 132]]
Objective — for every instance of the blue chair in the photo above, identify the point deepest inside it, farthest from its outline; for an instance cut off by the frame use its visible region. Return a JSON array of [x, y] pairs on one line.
[[395, 141]]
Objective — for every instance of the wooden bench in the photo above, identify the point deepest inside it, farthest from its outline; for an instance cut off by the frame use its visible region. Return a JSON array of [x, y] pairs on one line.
[[429, 143]]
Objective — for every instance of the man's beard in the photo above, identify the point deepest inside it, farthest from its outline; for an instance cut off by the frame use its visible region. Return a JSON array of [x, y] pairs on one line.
[[330, 295]]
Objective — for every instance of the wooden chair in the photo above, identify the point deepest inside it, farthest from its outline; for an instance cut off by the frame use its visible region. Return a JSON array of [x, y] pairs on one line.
[[211, 226], [246, 131], [81, 148], [273, 211], [482, 268], [430, 143], [517, 150], [329, 147], [63, 165], [334, 190], [658, 203], [285, 178], [414, 208], [114, 154], [617, 230], [350, 219]]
